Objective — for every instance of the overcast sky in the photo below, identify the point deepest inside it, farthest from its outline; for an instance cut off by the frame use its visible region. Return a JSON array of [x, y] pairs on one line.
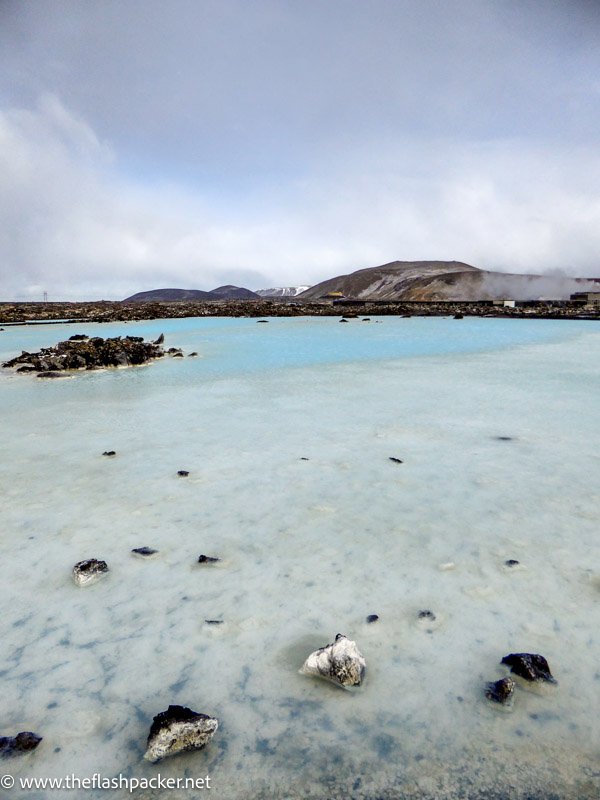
[[193, 143]]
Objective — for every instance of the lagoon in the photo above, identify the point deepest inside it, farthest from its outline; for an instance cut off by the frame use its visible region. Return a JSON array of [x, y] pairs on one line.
[[497, 425]]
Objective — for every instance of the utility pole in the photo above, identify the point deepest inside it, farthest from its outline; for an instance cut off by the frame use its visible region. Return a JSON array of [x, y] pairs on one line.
[[45, 297]]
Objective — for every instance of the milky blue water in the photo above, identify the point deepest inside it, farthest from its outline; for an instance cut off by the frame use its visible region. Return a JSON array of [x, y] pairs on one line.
[[309, 548]]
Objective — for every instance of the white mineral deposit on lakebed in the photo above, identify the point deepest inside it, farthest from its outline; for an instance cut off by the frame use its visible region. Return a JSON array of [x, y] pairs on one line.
[[309, 548]]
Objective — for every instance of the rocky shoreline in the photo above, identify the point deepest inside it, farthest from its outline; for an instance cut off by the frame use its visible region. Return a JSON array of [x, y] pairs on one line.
[[105, 311]]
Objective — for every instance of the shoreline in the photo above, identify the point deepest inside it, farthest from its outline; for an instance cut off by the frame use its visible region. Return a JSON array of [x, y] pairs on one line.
[[12, 314]]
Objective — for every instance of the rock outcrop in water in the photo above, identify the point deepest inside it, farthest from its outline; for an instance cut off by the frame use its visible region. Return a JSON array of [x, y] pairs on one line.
[[177, 730], [89, 571], [501, 691], [340, 662], [94, 353], [531, 667], [21, 743]]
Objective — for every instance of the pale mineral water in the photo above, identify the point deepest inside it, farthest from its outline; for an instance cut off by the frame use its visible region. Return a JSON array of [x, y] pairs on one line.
[[287, 430]]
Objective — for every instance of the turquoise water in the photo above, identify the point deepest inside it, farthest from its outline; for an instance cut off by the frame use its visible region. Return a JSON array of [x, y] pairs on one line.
[[308, 549], [231, 346]]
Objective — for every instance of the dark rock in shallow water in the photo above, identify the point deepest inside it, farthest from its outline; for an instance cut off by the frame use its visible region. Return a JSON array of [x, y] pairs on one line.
[[340, 662], [191, 355], [504, 438], [529, 666], [343, 320], [501, 691], [78, 337], [183, 473], [21, 743], [511, 562], [458, 316], [207, 559], [213, 621], [94, 353], [49, 374], [145, 552], [109, 453], [177, 730], [160, 339], [426, 615], [372, 618], [396, 460], [89, 571], [262, 320]]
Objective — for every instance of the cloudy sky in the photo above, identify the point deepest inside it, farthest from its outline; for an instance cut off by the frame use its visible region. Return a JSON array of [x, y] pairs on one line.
[[193, 143]]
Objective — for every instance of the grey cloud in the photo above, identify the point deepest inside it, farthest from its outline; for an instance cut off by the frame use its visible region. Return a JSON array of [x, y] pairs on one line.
[[268, 143]]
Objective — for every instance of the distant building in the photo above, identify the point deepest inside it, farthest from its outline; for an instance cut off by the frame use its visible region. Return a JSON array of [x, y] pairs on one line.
[[586, 298], [504, 303]]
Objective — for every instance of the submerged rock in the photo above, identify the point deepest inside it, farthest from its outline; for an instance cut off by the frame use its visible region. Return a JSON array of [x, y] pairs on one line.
[[160, 339], [177, 730], [340, 662], [191, 355], [207, 559], [372, 618], [511, 562], [89, 571], [21, 743], [144, 552], [396, 460], [109, 453], [531, 667], [501, 691], [183, 473]]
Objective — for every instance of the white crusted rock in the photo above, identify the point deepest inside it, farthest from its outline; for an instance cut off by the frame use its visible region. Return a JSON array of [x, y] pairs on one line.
[[340, 662], [89, 571], [177, 730]]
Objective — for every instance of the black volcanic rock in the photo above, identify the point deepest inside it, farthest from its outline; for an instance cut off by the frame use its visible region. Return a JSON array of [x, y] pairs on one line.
[[529, 666], [88, 354], [501, 691], [21, 743]]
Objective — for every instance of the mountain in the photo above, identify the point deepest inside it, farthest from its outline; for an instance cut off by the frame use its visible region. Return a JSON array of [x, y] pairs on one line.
[[388, 281], [233, 293], [445, 280], [286, 291], [169, 295]]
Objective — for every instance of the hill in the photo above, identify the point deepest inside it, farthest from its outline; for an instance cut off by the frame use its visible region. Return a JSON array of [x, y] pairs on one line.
[[169, 295], [445, 280]]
